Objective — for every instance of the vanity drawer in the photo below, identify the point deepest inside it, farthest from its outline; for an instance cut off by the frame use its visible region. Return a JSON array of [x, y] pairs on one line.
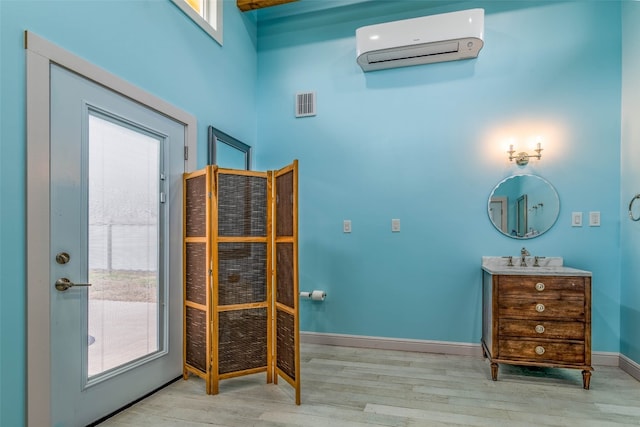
[[541, 308], [551, 287], [534, 350], [541, 329]]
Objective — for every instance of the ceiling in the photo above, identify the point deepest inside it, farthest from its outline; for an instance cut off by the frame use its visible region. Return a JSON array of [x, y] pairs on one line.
[[247, 5], [295, 7]]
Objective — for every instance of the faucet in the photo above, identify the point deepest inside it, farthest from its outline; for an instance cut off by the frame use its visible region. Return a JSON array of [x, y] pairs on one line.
[[523, 254]]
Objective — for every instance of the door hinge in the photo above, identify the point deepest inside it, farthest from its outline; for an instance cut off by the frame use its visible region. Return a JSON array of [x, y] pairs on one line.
[[186, 153], [163, 198]]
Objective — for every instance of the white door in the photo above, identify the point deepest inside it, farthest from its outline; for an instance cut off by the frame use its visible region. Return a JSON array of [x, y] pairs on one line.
[[497, 212], [116, 197]]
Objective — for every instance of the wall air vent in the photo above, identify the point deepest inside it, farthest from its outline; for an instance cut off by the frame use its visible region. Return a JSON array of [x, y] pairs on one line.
[[424, 40], [305, 104]]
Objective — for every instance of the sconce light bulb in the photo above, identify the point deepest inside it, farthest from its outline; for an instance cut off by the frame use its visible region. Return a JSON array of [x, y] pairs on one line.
[[523, 157]]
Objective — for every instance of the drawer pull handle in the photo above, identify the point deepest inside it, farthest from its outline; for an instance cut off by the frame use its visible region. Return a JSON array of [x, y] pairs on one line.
[[540, 350], [540, 286], [540, 329], [539, 308]]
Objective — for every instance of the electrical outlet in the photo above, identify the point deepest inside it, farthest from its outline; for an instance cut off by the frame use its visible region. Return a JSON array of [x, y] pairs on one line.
[[594, 219], [576, 219], [395, 225], [346, 226]]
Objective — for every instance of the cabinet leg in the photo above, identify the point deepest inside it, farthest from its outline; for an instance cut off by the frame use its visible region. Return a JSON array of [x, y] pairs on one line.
[[586, 379], [494, 371]]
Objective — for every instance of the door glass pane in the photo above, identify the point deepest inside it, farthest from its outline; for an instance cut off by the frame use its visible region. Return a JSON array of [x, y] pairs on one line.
[[123, 245]]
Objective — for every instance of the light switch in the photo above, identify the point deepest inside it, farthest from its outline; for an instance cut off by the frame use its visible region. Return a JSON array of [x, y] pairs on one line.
[[395, 225], [576, 219], [346, 226], [594, 219]]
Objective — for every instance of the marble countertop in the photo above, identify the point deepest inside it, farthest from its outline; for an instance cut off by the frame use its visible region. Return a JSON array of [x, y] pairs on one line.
[[550, 266]]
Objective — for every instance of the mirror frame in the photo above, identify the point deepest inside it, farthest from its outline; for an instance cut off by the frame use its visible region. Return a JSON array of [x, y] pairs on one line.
[[215, 136], [518, 202]]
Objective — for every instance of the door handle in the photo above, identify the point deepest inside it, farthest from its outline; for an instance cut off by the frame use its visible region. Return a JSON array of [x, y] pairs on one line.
[[62, 284]]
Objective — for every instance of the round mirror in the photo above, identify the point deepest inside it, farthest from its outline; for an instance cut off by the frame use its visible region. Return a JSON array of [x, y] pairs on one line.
[[523, 206]]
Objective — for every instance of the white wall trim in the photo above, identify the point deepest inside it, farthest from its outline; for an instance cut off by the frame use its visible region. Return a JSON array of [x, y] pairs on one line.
[[600, 358], [605, 358], [215, 33], [38, 243], [40, 54], [401, 344], [630, 367]]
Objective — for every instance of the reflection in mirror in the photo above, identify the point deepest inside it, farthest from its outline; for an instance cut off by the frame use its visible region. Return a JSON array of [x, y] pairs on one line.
[[226, 151], [521, 216], [523, 206]]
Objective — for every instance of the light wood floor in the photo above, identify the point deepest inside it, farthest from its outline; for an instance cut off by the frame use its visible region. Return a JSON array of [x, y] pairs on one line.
[[351, 387]]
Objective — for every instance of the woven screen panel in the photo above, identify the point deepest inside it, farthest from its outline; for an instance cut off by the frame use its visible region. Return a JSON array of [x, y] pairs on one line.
[[242, 206], [196, 274], [284, 274], [286, 343], [196, 338], [242, 340], [284, 205], [196, 209], [242, 273]]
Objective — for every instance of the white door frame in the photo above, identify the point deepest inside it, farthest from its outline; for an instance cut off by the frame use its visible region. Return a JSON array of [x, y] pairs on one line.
[[502, 200], [40, 53]]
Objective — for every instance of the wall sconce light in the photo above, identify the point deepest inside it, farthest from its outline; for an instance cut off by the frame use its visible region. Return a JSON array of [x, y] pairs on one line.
[[522, 158]]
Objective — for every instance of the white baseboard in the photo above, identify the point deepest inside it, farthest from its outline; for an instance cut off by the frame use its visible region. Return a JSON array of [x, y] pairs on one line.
[[630, 367], [605, 358], [600, 358], [421, 346]]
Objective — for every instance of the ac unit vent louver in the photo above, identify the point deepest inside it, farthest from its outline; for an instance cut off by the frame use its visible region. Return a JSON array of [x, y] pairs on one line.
[[414, 52], [305, 104]]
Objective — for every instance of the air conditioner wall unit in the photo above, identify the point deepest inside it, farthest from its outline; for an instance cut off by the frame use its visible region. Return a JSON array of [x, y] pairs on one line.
[[428, 39]]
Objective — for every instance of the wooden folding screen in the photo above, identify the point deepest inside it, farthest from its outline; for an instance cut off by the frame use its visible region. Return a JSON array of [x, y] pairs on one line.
[[286, 277], [230, 328], [241, 279], [197, 276]]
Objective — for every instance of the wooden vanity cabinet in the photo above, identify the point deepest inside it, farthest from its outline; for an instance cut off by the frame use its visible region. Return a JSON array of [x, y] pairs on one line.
[[537, 320]]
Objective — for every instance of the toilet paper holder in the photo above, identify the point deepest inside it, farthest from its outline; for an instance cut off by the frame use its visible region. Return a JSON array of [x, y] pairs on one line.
[[315, 295]]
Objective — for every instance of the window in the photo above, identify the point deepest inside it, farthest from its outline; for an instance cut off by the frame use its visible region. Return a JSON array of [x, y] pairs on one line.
[[206, 13]]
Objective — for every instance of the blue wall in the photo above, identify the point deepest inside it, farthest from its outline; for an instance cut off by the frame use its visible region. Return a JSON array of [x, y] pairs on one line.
[[424, 144], [151, 44], [427, 145], [630, 231]]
